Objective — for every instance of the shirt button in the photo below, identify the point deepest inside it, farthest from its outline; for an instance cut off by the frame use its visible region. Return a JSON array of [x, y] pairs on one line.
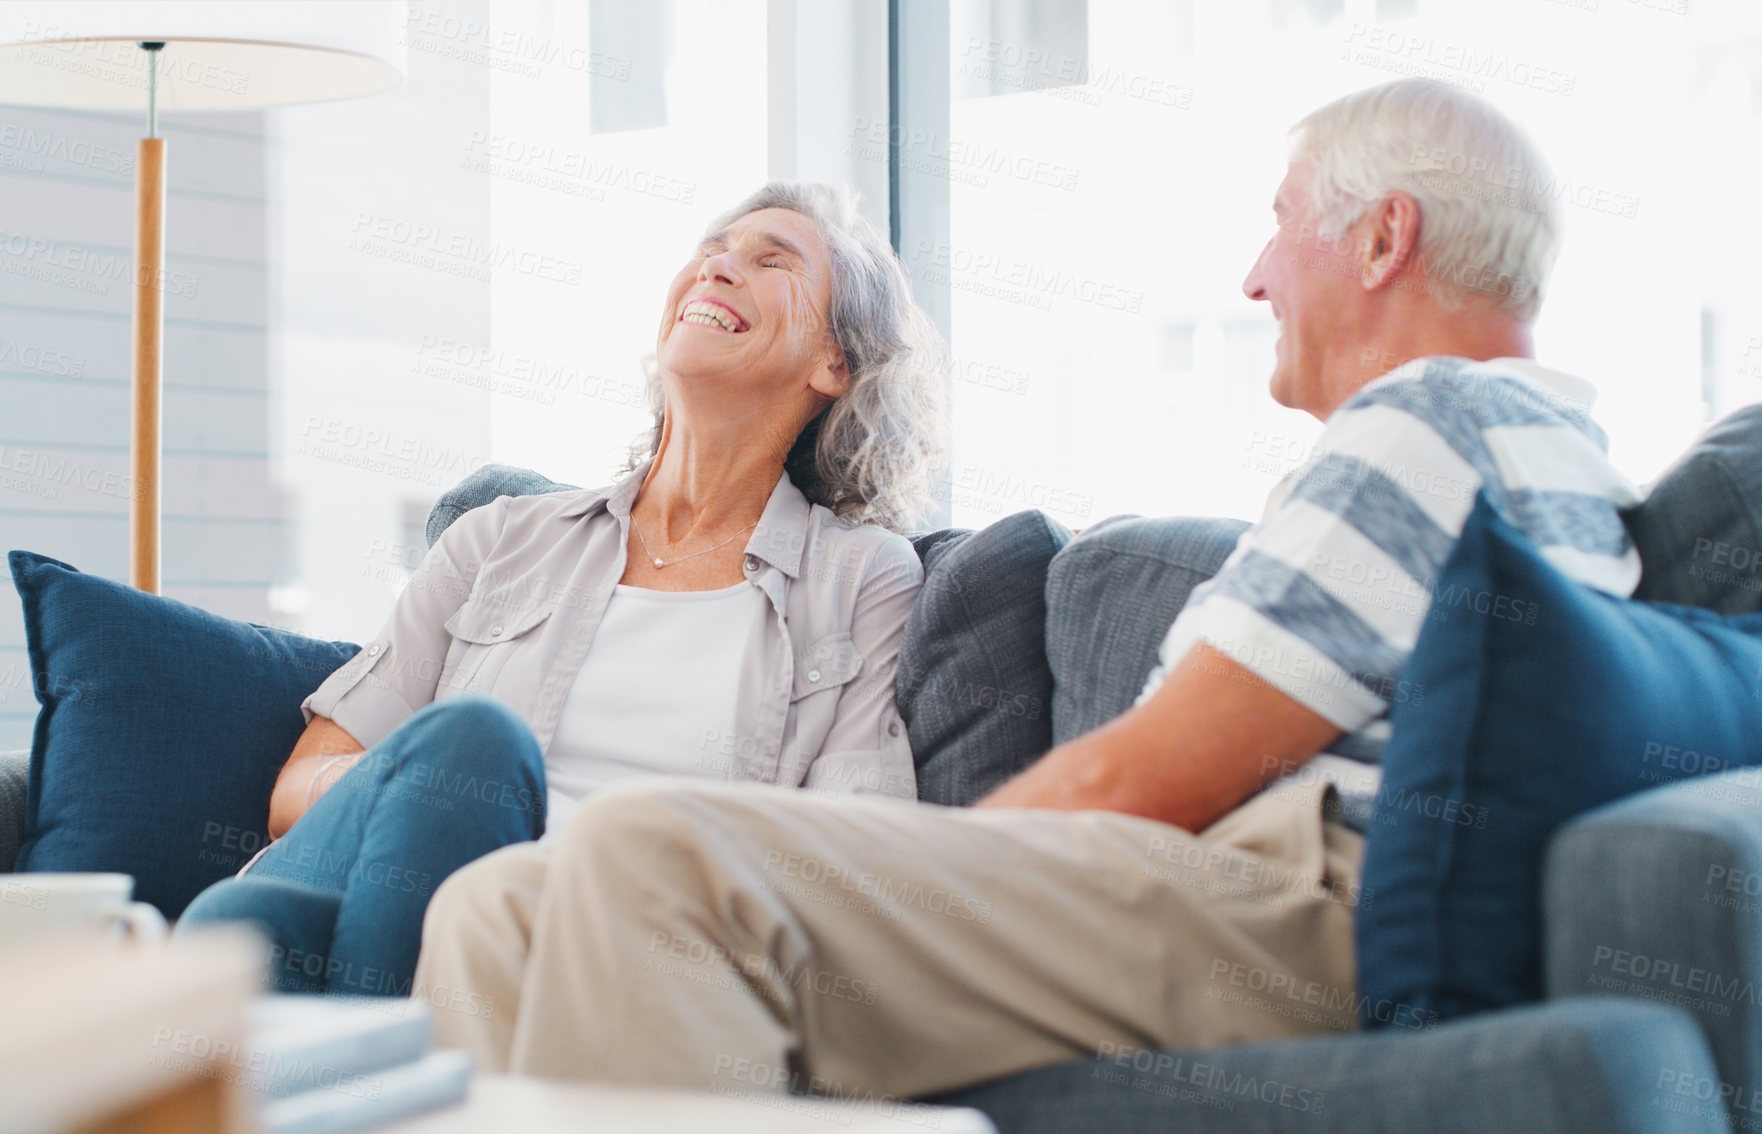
[[495, 631], [372, 651], [893, 728], [813, 675], [751, 564]]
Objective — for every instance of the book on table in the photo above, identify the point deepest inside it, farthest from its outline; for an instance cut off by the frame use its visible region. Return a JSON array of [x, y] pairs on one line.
[[342, 1063]]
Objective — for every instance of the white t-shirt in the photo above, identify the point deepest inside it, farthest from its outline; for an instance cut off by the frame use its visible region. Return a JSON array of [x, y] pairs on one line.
[[657, 693]]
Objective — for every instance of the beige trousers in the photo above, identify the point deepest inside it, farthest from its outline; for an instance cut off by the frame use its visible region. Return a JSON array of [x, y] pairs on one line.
[[736, 938]]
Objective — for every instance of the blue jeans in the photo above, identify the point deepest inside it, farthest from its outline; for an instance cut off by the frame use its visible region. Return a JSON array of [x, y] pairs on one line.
[[342, 893]]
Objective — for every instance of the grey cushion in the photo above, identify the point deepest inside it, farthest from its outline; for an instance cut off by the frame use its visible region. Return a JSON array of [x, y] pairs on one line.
[[1605, 1065], [973, 685], [1699, 533], [481, 487], [1658, 896], [15, 777], [1110, 597]]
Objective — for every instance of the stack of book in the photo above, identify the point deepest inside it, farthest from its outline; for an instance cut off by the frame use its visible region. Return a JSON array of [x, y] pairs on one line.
[[333, 1064]]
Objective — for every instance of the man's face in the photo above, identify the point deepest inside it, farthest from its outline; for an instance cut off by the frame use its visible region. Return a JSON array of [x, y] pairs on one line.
[[1312, 284]]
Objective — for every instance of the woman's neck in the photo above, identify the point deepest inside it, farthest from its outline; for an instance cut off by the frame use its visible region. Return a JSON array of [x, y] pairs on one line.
[[705, 483]]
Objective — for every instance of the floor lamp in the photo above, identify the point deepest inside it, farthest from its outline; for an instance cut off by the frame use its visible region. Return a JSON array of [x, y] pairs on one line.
[[153, 55]]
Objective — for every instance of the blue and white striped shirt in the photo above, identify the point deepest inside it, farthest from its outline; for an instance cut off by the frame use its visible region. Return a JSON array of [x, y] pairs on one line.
[[1324, 599]]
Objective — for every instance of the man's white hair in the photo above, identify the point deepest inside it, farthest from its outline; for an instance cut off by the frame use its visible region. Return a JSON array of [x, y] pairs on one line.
[[1489, 221]]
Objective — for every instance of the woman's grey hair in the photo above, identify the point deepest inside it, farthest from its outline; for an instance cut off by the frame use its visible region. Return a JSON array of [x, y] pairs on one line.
[[872, 454], [1489, 211]]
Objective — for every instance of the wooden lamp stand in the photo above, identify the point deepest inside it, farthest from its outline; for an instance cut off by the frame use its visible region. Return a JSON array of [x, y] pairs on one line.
[[149, 326]]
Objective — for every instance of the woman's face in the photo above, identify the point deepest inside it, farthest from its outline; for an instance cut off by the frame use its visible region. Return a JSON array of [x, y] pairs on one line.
[[753, 306]]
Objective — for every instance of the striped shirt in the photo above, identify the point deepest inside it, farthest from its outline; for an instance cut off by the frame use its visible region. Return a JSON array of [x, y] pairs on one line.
[[1324, 599]]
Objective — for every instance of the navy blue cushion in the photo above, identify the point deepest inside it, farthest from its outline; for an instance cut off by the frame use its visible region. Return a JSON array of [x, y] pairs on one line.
[[1543, 699], [161, 731]]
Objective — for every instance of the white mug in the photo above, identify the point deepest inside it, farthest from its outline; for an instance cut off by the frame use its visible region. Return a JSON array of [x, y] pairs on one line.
[[40, 905]]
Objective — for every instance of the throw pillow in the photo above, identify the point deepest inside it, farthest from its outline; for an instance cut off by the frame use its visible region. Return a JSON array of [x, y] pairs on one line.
[[482, 486], [161, 731], [973, 686], [1699, 533], [1543, 699], [1111, 597]]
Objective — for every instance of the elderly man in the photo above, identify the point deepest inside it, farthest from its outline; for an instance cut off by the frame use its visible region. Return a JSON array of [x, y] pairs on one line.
[[1134, 885]]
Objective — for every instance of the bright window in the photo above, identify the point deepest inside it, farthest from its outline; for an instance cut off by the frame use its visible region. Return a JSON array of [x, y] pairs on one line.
[[1110, 166]]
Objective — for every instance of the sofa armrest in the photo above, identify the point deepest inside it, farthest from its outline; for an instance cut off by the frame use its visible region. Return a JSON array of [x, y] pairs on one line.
[[1659, 896], [1609, 1065], [15, 776]]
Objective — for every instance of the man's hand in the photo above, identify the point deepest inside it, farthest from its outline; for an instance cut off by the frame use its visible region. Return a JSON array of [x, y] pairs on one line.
[[1204, 742]]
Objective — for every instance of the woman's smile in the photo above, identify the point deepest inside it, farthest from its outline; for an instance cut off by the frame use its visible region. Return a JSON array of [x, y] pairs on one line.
[[707, 311]]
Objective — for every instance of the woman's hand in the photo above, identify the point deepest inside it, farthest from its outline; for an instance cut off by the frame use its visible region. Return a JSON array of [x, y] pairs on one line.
[[324, 753]]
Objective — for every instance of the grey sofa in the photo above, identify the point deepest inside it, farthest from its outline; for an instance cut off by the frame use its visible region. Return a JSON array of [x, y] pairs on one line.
[[1638, 1053]]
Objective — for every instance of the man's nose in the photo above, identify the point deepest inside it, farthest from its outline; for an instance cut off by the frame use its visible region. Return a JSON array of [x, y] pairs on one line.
[[1252, 286]]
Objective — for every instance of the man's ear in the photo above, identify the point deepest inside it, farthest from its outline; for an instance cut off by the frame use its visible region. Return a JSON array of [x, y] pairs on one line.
[[1388, 246]]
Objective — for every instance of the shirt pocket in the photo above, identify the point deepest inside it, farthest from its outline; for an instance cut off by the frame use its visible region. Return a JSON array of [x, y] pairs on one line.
[[486, 633], [828, 664], [823, 670]]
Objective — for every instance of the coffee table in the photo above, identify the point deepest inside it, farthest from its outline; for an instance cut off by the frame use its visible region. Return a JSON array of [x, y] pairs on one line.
[[107, 1039], [537, 1106]]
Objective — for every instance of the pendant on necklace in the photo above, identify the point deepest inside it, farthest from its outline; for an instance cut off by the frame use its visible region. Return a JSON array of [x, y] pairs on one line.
[[659, 564]]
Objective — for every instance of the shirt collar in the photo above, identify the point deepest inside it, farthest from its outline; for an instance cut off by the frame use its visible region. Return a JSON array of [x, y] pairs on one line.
[[615, 499], [778, 539], [1568, 386], [783, 528]]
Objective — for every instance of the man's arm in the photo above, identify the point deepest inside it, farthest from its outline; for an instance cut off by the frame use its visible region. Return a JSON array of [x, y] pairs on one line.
[[1210, 735]]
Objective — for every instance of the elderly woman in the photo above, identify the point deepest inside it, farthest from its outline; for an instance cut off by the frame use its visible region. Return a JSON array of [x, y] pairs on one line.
[[731, 609]]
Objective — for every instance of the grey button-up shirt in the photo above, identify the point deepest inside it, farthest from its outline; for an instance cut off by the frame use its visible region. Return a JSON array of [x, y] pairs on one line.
[[509, 599]]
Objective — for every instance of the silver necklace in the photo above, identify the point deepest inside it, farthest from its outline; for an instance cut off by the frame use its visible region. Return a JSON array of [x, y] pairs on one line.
[[659, 562]]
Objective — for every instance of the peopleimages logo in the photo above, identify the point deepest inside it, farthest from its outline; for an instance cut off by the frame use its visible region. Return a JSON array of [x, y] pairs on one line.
[[454, 253], [891, 894], [437, 32], [1285, 993], [40, 144], [920, 149], [1162, 1071], [84, 269], [1027, 281], [43, 360], [118, 61]]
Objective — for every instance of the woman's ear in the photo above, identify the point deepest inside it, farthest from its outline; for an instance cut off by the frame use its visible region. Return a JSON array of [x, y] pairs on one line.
[[831, 378]]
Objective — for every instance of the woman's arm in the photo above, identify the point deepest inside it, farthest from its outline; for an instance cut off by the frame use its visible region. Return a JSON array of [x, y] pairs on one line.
[[310, 771], [395, 675], [866, 749]]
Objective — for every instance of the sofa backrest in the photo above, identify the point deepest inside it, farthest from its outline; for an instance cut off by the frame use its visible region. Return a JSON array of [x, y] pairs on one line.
[[1699, 531], [983, 701]]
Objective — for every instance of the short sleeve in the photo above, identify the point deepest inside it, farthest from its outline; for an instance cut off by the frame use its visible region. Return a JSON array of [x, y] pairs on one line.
[[1325, 598]]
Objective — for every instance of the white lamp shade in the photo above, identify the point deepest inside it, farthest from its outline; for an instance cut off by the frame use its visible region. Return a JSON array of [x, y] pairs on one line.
[[218, 54]]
